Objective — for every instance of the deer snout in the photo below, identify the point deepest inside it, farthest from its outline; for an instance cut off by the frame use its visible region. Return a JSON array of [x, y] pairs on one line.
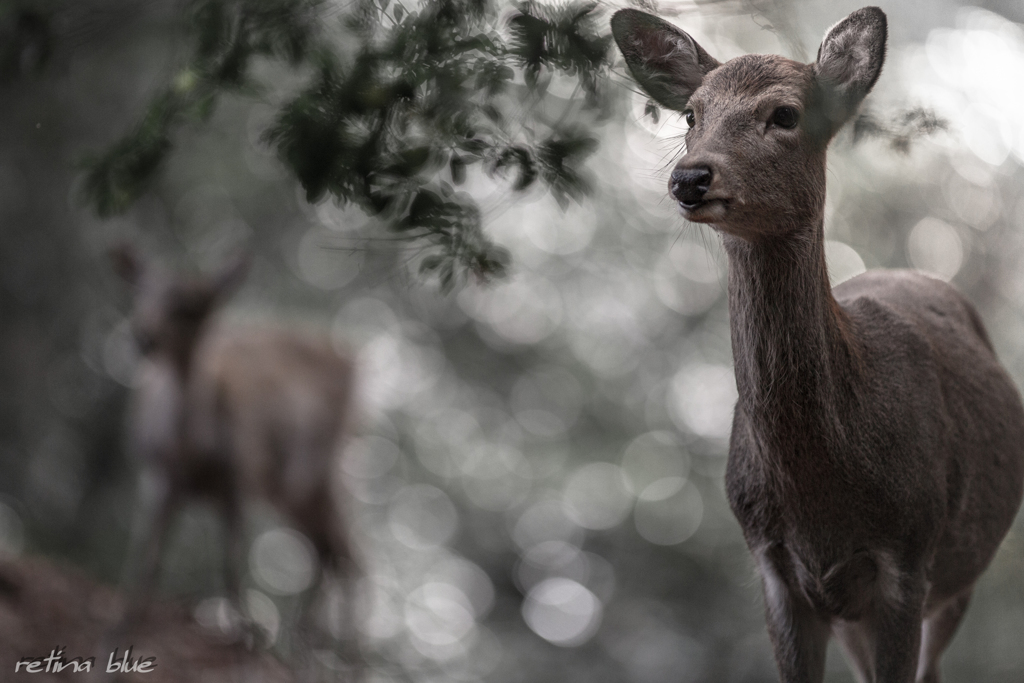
[[689, 185]]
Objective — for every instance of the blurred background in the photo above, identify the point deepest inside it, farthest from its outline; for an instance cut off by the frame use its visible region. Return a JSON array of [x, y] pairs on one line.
[[535, 478]]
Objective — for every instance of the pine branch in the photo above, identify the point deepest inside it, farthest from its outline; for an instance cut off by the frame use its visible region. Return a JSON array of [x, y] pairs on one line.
[[424, 98]]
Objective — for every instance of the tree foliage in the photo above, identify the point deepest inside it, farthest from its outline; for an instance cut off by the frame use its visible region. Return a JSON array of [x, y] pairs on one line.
[[900, 129], [396, 108]]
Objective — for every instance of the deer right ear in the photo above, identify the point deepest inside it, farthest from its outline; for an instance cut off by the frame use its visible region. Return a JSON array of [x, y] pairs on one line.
[[126, 261], [849, 61], [667, 63]]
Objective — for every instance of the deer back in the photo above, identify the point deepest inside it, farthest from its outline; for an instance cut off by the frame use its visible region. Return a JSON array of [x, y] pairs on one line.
[[274, 402]]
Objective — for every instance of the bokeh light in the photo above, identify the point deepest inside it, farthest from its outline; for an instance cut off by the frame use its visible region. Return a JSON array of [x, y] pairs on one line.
[[262, 610], [562, 612], [653, 456], [701, 399], [843, 262], [935, 247], [597, 496], [422, 516], [668, 511], [283, 561], [545, 520], [438, 615]]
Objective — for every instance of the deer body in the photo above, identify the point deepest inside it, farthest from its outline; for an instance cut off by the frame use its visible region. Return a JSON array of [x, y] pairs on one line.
[[229, 413], [877, 452], [259, 413]]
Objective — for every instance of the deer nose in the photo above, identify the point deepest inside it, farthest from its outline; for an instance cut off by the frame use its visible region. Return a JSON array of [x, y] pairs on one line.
[[689, 185]]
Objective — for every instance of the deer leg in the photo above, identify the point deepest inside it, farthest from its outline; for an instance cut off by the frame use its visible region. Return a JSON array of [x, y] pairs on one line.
[[234, 561], [142, 565], [348, 578], [233, 550], [147, 546], [321, 521], [339, 579], [799, 636], [936, 632], [320, 518], [897, 631], [857, 642]]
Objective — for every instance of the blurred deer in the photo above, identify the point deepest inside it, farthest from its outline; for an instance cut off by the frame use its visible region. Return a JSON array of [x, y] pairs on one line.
[[877, 450], [228, 413]]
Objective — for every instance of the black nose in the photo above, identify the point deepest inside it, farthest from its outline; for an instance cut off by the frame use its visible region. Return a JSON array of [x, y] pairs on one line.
[[689, 185]]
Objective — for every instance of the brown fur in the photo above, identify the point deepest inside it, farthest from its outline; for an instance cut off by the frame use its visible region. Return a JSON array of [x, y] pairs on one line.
[[877, 451], [228, 412]]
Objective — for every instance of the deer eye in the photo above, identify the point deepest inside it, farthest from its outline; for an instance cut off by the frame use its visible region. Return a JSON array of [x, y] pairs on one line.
[[691, 120], [785, 117]]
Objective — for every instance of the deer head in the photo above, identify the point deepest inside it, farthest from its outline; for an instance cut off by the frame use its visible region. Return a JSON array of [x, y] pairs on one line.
[[759, 124], [170, 311]]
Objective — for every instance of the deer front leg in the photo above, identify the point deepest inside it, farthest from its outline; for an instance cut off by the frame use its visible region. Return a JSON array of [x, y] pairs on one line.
[[898, 639], [799, 636], [857, 639], [158, 501], [234, 562], [234, 547], [936, 632], [882, 647]]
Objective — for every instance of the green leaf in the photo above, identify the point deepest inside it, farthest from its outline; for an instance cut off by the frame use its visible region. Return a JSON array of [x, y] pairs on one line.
[[380, 112]]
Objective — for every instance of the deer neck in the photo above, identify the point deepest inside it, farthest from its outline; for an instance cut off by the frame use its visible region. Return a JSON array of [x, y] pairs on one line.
[[791, 343], [184, 353], [178, 383]]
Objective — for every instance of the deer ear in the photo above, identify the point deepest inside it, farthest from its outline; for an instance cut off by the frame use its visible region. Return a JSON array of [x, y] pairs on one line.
[[849, 61], [667, 63], [126, 261]]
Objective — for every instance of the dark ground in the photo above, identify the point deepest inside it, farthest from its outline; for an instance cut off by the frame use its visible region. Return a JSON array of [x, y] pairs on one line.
[[43, 607]]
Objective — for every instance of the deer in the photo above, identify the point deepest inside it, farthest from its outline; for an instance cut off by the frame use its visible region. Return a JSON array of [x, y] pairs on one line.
[[876, 458], [229, 413]]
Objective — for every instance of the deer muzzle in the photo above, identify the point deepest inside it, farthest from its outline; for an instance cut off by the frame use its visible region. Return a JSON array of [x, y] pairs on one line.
[[689, 185]]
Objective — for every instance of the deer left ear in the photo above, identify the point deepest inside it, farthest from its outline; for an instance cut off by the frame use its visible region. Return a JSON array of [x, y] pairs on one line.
[[849, 61]]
